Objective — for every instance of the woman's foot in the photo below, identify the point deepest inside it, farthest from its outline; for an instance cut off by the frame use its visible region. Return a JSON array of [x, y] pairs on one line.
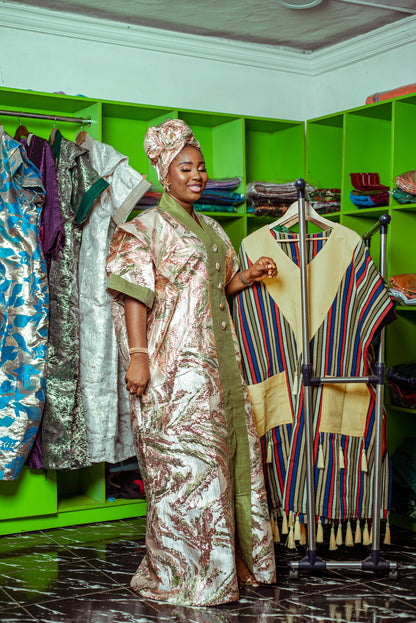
[[244, 575]]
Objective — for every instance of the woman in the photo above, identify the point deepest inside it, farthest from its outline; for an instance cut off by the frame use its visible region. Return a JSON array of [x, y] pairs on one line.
[[170, 273]]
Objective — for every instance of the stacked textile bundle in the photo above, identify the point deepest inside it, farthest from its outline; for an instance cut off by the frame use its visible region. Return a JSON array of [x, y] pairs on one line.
[[406, 187], [218, 196], [368, 192], [271, 199], [402, 384], [403, 288], [325, 200], [149, 200]]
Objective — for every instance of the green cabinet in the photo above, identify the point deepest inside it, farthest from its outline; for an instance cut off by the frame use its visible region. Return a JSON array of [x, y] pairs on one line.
[[233, 145]]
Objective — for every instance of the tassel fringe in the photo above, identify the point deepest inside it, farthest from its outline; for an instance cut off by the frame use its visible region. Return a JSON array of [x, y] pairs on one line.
[[321, 462], [269, 452], [341, 460], [319, 532], [366, 535], [364, 467], [339, 534], [332, 541], [387, 536], [303, 536], [297, 529], [357, 536], [349, 541], [285, 529]]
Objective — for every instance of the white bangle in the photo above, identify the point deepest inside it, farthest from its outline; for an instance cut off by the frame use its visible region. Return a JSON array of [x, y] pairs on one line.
[[138, 349]]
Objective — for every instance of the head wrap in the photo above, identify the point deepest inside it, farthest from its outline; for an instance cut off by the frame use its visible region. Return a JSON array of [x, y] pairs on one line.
[[163, 143]]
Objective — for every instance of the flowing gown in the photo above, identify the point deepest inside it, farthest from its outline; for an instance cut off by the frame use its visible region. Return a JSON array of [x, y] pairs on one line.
[[24, 303], [193, 429]]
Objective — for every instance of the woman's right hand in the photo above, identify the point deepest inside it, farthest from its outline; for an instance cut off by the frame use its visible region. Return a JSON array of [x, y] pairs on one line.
[[138, 374]]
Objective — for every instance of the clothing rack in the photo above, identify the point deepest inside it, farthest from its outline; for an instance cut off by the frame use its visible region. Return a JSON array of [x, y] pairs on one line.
[[312, 562], [34, 115]]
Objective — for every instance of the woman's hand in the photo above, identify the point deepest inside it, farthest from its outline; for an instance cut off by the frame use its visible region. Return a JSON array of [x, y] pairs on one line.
[[138, 374], [262, 268]]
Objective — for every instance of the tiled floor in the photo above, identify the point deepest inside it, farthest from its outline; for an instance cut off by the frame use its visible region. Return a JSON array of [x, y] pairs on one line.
[[82, 574]]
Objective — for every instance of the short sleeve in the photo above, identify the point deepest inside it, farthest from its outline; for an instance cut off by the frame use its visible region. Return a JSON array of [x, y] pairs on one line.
[[130, 265], [375, 302], [127, 188]]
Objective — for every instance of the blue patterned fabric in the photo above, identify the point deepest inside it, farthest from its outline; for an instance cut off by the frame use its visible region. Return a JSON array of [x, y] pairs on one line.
[[24, 305]]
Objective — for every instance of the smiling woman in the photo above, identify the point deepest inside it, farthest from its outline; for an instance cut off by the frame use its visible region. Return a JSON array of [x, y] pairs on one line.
[[171, 270]]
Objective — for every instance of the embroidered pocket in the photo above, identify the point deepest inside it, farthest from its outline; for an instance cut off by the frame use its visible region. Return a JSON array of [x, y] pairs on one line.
[[271, 403], [345, 408]]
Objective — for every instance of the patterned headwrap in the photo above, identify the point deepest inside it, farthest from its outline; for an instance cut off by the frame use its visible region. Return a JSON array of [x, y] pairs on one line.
[[163, 143]]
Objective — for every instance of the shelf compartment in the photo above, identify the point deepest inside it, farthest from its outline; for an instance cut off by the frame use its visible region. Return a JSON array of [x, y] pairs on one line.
[[367, 148], [324, 151], [274, 150], [34, 493]]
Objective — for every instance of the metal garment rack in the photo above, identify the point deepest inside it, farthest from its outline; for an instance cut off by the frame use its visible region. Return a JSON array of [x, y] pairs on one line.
[[34, 115], [311, 562]]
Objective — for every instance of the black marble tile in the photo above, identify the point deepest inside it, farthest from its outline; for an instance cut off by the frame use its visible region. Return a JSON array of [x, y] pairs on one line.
[[69, 578], [82, 574]]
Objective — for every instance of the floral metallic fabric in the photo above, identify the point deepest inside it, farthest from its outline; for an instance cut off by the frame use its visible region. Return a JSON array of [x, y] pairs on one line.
[[23, 306], [64, 436], [104, 396], [193, 428]]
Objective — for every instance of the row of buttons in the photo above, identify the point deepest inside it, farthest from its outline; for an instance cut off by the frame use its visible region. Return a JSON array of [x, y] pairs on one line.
[[220, 288]]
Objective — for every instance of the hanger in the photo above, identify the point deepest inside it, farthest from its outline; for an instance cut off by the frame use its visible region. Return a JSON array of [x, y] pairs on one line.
[[53, 132], [21, 131], [291, 217], [81, 137]]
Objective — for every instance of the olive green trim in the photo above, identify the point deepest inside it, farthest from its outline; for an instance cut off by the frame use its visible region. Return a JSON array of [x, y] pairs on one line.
[[229, 373], [89, 198], [118, 284]]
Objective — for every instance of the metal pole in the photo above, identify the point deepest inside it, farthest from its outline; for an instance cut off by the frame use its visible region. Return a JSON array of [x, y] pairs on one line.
[[307, 373], [380, 368], [34, 115]]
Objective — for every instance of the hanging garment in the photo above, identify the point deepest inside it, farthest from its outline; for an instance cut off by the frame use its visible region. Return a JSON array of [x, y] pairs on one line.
[[195, 439], [23, 306], [64, 436], [104, 395], [348, 303], [52, 233]]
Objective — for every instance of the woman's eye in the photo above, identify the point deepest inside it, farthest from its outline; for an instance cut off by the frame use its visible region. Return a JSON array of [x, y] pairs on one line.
[[185, 170]]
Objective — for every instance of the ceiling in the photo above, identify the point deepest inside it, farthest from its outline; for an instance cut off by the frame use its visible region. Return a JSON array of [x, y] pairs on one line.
[[256, 21]]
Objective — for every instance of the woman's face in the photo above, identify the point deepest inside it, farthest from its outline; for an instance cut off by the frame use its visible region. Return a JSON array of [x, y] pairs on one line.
[[187, 176]]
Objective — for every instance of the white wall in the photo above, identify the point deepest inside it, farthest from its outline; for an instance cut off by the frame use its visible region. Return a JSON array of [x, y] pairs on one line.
[[50, 62], [51, 51]]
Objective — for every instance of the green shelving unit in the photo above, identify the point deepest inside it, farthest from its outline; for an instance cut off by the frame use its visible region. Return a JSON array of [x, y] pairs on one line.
[[376, 138], [254, 149]]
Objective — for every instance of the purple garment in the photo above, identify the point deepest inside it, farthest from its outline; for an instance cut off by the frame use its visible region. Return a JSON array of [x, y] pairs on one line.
[[52, 233]]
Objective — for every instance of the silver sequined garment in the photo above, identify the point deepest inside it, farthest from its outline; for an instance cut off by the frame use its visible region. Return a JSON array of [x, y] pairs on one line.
[[104, 396], [64, 437], [194, 433]]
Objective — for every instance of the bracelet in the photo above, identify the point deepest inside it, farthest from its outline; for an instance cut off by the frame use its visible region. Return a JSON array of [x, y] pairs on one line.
[[138, 349], [244, 281]]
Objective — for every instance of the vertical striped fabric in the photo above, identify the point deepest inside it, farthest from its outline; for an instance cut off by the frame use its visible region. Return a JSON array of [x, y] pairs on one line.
[[340, 347]]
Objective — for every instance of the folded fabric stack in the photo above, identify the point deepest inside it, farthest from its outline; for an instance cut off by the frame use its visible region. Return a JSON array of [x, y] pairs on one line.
[[367, 191], [403, 288], [149, 200], [272, 199], [403, 464], [402, 383], [325, 200], [218, 196], [406, 188]]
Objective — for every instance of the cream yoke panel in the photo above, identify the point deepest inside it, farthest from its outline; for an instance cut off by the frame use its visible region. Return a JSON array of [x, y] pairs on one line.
[[324, 272]]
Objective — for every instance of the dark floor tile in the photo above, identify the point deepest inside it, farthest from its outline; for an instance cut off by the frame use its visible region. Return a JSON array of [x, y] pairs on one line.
[[18, 615], [69, 578]]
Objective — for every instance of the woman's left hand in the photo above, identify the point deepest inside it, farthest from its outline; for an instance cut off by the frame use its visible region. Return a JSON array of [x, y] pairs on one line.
[[262, 268]]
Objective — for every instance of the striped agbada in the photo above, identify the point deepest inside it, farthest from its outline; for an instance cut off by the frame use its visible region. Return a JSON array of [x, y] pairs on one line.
[[348, 305]]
